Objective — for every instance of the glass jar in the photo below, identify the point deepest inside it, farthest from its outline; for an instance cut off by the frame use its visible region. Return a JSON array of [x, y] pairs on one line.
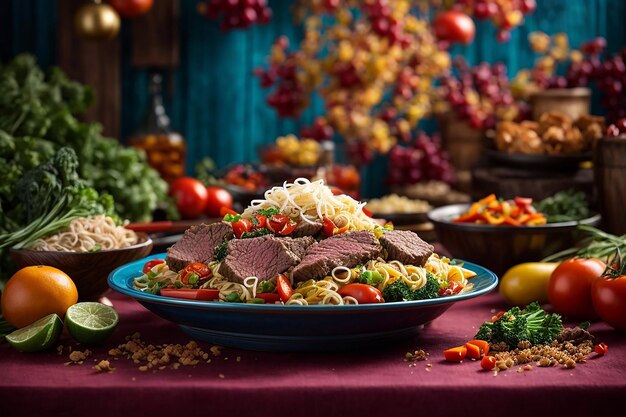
[[164, 148]]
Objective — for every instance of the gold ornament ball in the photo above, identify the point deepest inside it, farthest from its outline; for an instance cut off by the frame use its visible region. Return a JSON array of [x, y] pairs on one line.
[[97, 21]]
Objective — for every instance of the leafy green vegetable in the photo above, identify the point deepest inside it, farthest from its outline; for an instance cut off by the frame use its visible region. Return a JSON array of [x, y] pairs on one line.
[[256, 233], [266, 286], [569, 205], [268, 212], [232, 218], [48, 198], [598, 244], [400, 291], [221, 251], [529, 324], [233, 297], [38, 115]]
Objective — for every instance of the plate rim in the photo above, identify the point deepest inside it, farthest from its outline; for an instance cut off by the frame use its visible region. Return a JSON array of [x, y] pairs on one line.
[[115, 281]]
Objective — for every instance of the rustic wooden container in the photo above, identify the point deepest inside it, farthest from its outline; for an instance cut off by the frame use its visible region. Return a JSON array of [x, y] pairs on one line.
[[610, 179], [463, 143], [573, 102]]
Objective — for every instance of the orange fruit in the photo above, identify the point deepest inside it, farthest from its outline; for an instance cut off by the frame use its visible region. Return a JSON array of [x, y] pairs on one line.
[[36, 291]]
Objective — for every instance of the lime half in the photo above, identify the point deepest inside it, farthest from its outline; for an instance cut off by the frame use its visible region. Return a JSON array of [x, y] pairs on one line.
[[40, 335], [91, 322]]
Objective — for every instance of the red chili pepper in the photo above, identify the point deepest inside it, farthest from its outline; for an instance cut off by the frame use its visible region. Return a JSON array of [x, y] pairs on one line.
[[497, 316], [284, 287], [601, 348], [268, 297], [191, 294]]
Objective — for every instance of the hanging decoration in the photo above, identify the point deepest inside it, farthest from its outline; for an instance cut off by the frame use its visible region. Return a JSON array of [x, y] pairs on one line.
[[131, 8], [97, 21]]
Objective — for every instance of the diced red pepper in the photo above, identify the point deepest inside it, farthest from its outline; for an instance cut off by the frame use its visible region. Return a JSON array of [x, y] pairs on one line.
[[151, 264], [523, 201]]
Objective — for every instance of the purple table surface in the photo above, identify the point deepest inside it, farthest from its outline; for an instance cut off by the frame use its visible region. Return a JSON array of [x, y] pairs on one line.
[[269, 384]]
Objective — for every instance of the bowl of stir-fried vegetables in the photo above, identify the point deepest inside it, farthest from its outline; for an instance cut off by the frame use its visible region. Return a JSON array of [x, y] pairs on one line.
[[501, 233]]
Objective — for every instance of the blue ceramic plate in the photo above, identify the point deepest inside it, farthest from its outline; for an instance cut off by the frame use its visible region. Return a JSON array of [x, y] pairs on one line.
[[295, 328]]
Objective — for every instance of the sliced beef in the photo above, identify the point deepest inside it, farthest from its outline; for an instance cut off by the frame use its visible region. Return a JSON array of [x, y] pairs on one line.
[[197, 244], [346, 249], [263, 257], [406, 246], [297, 245], [307, 229]]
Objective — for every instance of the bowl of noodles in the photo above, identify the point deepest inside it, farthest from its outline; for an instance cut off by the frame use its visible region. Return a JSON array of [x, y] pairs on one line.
[[88, 249]]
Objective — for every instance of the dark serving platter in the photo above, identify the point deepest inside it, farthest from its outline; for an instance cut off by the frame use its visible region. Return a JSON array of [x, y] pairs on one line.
[[542, 162]]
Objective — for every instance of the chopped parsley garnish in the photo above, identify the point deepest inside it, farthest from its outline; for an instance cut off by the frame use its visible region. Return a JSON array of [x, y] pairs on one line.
[[221, 251], [256, 233], [232, 218], [268, 212]]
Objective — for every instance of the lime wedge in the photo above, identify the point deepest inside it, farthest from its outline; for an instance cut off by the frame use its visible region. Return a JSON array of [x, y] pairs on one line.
[[91, 322], [40, 335]]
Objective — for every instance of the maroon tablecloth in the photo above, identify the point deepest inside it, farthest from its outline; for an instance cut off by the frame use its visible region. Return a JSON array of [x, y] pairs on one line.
[[271, 384]]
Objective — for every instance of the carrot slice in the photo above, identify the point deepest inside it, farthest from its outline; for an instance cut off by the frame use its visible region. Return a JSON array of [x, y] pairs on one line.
[[482, 344], [455, 354], [473, 351]]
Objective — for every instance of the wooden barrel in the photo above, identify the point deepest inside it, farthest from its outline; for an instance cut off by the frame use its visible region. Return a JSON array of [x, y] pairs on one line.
[[574, 102], [610, 179], [463, 143]]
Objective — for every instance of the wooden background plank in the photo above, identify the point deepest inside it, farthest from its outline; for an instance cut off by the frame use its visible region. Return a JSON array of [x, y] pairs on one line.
[[217, 103]]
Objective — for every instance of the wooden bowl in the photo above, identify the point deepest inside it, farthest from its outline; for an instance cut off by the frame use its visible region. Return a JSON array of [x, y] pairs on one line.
[[88, 270], [500, 247]]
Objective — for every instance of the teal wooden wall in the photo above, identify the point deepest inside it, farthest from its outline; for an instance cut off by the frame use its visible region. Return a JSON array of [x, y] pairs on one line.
[[217, 103]]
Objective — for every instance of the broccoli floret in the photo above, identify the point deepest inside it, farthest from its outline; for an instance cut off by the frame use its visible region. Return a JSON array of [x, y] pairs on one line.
[[397, 291], [531, 324], [429, 290], [400, 291]]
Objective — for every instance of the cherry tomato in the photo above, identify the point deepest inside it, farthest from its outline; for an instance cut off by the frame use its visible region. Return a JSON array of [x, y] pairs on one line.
[[363, 293], [288, 229], [285, 291], [241, 226], [191, 294], [609, 299], [131, 8], [569, 288], [454, 26], [190, 195], [601, 348], [488, 363], [268, 297], [151, 264], [202, 271], [330, 228], [224, 211], [277, 222], [261, 221], [218, 198]]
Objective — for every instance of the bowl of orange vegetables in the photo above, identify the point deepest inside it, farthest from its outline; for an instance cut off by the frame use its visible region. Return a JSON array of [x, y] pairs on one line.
[[501, 233]]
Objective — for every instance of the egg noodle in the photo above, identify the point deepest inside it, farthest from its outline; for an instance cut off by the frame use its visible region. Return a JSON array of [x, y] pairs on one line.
[[88, 234], [324, 291], [309, 201]]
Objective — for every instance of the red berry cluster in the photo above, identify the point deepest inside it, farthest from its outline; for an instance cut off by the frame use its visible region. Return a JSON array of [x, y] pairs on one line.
[[480, 93], [237, 14], [424, 160], [385, 25], [320, 130], [617, 129], [289, 97], [608, 73], [505, 14]]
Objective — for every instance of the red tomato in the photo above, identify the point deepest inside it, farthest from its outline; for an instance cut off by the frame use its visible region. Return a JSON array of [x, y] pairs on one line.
[[609, 299], [224, 211], [601, 348], [218, 198], [261, 221], [151, 264], [191, 294], [363, 293], [284, 287], [569, 288], [268, 297], [523, 201], [277, 222], [241, 226], [131, 8], [289, 227], [488, 363], [190, 195], [454, 26], [198, 268]]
